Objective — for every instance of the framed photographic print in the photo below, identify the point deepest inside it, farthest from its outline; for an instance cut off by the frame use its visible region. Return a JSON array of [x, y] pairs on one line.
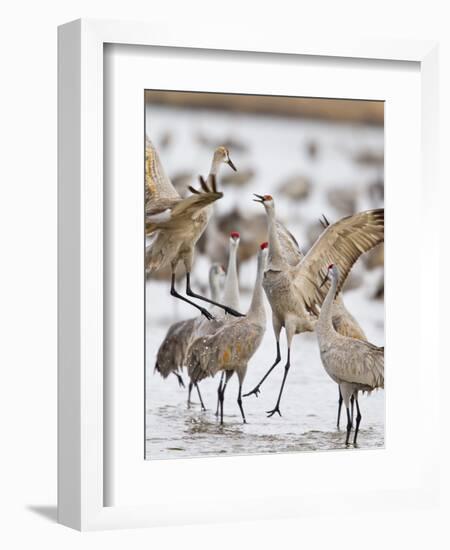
[[232, 224]]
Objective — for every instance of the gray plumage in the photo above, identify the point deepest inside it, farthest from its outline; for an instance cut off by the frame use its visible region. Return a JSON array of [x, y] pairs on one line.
[[231, 347], [355, 365], [172, 351]]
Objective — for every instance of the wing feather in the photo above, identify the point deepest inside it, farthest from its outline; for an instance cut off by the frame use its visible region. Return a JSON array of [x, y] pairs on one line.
[[341, 244], [231, 346], [157, 185], [366, 368], [172, 351], [166, 210], [289, 244]]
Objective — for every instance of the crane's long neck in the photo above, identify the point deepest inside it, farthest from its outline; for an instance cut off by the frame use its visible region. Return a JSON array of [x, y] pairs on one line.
[[214, 285], [213, 171], [257, 312], [210, 209], [276, 257], [325, 324], [231, 290], [215, 166]]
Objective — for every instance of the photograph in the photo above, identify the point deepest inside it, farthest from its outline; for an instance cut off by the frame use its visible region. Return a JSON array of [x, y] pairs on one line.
[[264, 274]]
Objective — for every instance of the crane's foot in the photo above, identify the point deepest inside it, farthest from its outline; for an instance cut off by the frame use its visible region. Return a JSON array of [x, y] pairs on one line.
[[273, 411], [207, 314], [233, 312], [255, 391]]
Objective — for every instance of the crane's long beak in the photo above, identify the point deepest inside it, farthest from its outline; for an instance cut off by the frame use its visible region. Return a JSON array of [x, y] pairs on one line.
[[259, 199], [325, 279], [230, 163]]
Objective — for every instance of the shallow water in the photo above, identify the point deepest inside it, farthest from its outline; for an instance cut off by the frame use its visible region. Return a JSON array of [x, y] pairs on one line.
[[309, 403]]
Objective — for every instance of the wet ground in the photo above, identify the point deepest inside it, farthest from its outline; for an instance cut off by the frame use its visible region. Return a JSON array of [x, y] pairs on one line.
[[309, 404]]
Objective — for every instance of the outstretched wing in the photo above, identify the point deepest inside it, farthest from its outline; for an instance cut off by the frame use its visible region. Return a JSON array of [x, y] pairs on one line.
[[289, 244], [342, 243], [194, 203], [158, 186], [166, 210]]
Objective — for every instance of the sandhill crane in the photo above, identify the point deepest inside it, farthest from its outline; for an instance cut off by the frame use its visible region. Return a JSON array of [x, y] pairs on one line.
[[355, 365], [175, 224], [232, 346], [346, 325], [172, 351], [231, 295], [293, 290]]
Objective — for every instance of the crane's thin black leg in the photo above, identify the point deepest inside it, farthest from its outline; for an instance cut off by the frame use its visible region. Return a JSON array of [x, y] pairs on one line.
[[222, 395], [189, 394], [256, 390], [239, 400], [200, 397], [286, 370], [352, 406], [173, 292], [193, 294], [339, 407], [358, 420], [349, 426], [219, 389], [180, 380]]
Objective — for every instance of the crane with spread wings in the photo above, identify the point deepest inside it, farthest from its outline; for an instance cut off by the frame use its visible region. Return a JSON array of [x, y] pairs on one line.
[[173, 225]]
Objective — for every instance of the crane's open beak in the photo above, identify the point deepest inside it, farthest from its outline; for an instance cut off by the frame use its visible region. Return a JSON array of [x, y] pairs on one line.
[[230, 163], [325, 279], [259, 199]]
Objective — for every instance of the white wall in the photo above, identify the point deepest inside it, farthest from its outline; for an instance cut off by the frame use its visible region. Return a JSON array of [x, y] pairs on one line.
[[28, 266]]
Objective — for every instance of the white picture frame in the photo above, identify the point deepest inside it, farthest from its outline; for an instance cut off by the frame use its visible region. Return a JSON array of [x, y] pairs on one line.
[[82, 483]]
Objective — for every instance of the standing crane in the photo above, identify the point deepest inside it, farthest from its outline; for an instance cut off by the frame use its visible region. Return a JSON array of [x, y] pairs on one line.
[[230, 298], [231, 295], [346, 325], [174, 225], [293, 290], [232, 346], [355, 365], [172, 351]]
